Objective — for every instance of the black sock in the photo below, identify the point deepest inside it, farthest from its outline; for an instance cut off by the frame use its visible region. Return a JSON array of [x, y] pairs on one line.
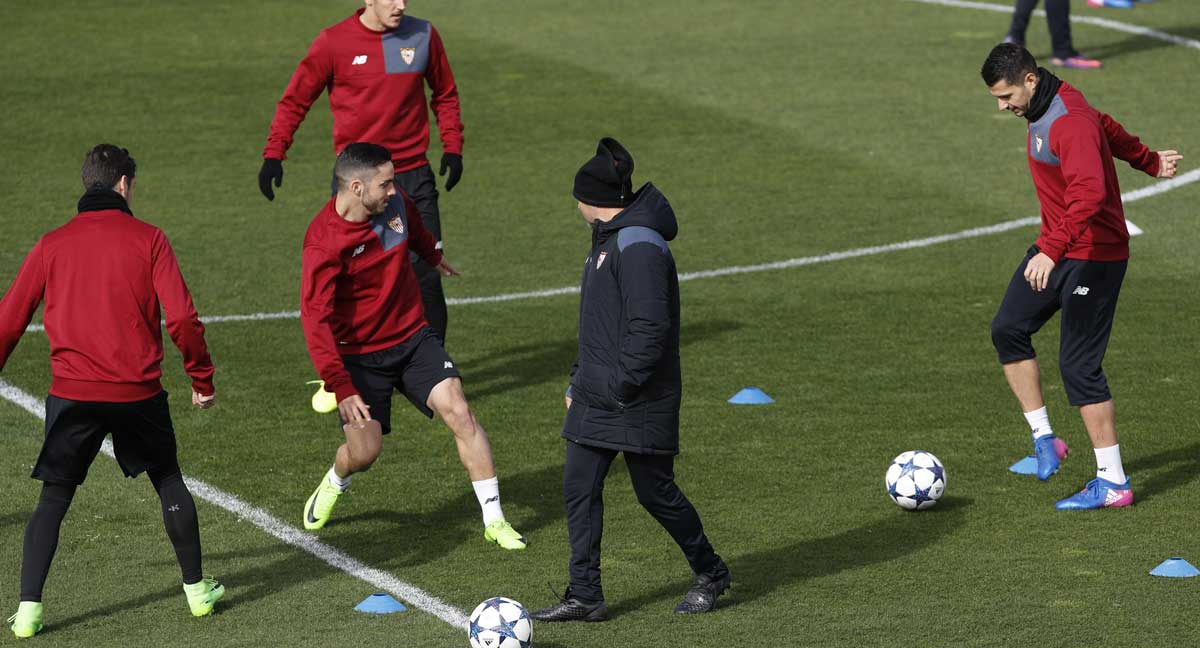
[[179, 517], [41, 538]]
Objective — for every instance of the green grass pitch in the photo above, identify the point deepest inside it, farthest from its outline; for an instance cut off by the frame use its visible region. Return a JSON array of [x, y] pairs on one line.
[[778, 130]]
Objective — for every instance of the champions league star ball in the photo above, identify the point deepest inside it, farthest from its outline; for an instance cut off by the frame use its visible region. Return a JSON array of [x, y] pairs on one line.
[[500, 623], [915, 480]]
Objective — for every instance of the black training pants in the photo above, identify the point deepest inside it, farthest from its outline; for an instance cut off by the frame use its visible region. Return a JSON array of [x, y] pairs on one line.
[[1058, 17], [653, 478], [419, 184]]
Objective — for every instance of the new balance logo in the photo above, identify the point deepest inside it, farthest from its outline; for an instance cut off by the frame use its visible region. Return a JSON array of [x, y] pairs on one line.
[[492, 499], [361, 59], [359, 250], [174, 508], [448, 365], [1080, 290]]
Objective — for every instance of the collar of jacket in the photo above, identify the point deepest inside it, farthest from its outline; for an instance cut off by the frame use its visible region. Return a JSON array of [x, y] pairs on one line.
[[1043, 95], [97, 199]]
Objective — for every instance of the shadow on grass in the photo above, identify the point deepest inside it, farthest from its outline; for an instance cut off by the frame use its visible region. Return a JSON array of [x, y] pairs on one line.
[[518, 367], [759, 573], [15, 519], [1184, 465], [1135, 44]]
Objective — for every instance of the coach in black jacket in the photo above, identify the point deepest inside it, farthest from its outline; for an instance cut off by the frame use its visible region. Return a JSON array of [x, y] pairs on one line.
[[625, 385]]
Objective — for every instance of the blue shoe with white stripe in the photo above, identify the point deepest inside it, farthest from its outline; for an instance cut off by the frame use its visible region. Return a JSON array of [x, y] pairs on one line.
[[1099, 493]]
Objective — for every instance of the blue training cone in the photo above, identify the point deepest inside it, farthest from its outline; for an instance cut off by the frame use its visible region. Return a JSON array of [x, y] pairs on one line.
[[1175, 568], [380, 604], [1026, 466], [751, 396]]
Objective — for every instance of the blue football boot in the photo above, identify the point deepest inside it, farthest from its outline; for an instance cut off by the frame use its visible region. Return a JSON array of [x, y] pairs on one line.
[[1050, 450], [1099, 493]]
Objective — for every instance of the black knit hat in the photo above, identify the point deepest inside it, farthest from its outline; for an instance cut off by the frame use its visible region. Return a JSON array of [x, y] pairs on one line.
[[606, 180]]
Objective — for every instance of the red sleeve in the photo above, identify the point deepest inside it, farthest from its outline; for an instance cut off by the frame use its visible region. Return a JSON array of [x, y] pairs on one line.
[[21, 301], [1079, 153], [1128, 147], [444, 95], [420, 240], [183, 324], [311, 78], [318, 281]]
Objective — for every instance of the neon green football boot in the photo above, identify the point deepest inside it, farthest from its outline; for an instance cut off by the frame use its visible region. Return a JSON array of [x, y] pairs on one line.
[[320, 504], [502, 533], [203, 595], [27, 621]]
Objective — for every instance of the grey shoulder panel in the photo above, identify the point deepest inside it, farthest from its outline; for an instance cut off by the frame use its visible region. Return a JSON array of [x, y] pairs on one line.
[[638, 234], [406, 48], [1039, 133]]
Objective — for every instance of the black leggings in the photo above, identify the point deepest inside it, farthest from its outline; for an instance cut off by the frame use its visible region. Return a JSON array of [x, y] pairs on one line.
[[1058, 17]]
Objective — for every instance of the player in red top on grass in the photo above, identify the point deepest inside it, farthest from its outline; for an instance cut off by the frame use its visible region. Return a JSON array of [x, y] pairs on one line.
[[367, 335], [375, 65], [103, 277], [1077, 264]]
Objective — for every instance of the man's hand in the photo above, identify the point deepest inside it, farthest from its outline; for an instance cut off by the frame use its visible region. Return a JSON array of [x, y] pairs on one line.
[[1168, 163], [202, 401], [1037, 271], [568, 401], [453, 163], [272, 169], [447, 270], [354, 409]]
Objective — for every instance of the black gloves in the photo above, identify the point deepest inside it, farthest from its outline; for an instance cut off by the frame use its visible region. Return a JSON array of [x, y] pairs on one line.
[[451, 161], [272, 169]]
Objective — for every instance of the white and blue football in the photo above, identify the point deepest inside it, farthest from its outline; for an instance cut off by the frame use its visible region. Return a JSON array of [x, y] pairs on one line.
[[915, 480], [500, 623]]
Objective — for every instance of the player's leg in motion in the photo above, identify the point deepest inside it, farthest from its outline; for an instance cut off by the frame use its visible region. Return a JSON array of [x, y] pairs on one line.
[[420, 185], [653, 478], [183, 529], [1089, 304], [1020, 21], [1022, 313], [449, 402], [41, 541], [364, 442]]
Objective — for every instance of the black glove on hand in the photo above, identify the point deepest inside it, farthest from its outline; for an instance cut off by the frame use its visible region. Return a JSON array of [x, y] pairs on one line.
[[453, 162], [272, 169]]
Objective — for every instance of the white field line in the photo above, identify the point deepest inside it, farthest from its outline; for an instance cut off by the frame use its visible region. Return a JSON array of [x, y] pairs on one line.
[[288, 534], [1128, 197], [1088, 20]]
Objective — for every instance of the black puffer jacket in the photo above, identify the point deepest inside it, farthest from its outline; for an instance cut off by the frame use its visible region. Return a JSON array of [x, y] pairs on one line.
[[625, 385]]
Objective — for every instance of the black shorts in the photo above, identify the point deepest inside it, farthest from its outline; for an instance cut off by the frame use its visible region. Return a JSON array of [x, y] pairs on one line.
[[143, 437], [413, 368], [1086, 292]]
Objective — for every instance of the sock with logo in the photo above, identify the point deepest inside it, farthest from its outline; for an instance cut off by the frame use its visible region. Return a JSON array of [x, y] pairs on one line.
[[487, 491], [1108, 464], [1039, 423], [179, 518], [342, 483]]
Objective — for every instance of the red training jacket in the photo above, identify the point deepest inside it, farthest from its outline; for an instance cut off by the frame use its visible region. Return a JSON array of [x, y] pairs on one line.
[[103, 276], [376, 83], [1071, 149], [358, 290]]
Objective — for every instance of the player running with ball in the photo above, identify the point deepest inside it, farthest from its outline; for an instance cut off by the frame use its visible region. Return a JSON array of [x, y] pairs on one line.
[[366, 331], [1077, 264]]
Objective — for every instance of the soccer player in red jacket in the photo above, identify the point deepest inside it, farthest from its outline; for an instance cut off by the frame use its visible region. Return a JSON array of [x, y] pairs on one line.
[[367, 335], [1077, 264], [375, 65], [103, 276]]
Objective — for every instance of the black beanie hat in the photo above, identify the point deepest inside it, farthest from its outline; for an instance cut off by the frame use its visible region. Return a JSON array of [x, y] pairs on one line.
[[606, 180]]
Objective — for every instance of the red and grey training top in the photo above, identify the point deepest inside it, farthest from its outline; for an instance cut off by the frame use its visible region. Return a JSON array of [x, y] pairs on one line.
[[1071, 149], [358, 290], [376, 83], [103, 276]]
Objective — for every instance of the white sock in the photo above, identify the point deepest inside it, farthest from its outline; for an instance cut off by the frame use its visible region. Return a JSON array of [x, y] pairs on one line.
[[341, 482], [487, 491], [1108, 464], [1039, 423]]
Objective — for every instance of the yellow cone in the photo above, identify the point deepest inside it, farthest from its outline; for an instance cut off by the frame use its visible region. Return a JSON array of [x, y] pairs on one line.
[[323, 401]]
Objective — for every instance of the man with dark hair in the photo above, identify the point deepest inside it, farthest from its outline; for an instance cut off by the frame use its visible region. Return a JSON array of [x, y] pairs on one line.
[[375, 65], [1077, 264], [366, 332], [1058, 19], [625, 385], [103, 276]]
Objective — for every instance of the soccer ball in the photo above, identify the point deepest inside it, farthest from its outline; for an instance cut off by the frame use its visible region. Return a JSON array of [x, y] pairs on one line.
[[500, 623], [915, 480]]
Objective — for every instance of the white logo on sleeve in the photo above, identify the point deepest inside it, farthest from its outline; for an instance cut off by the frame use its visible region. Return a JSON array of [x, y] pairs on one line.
[[361, 59], [1080, 290], [448, 365]]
